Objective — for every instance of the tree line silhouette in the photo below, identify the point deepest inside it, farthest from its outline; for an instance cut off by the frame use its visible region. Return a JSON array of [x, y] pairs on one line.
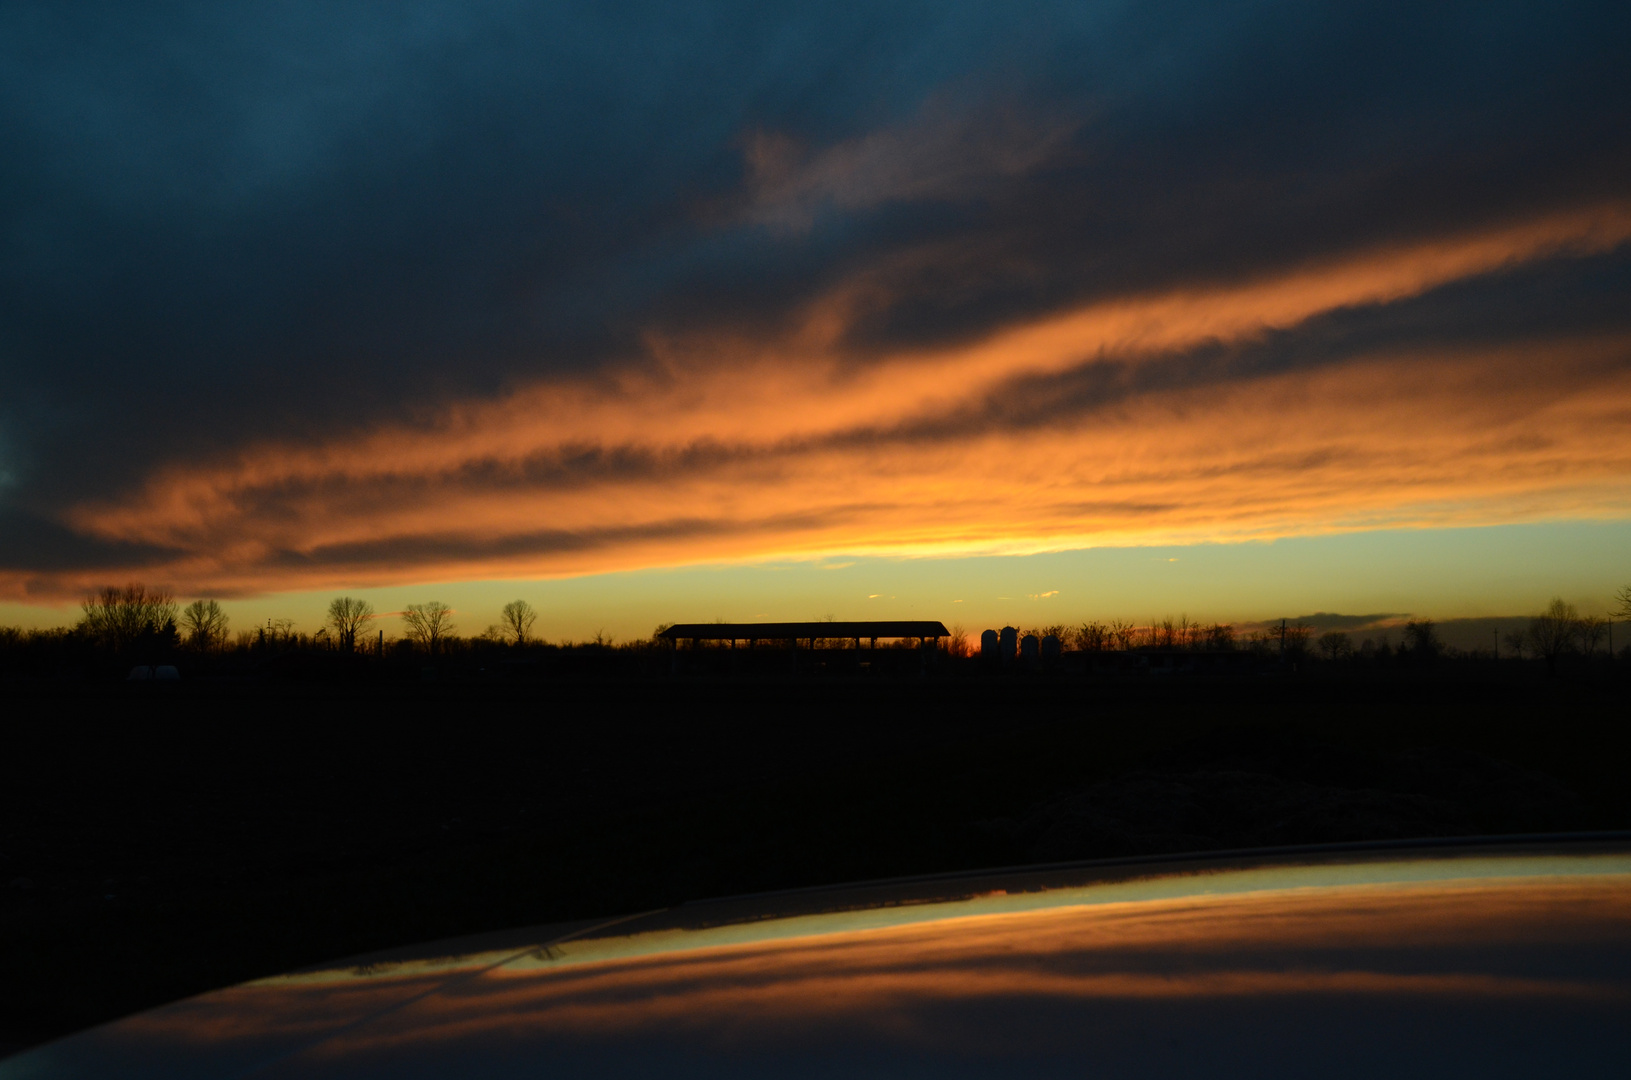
[[135, 624], [140, 625]]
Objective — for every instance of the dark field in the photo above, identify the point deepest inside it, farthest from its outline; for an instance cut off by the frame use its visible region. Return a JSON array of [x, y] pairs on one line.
[[158, 844]]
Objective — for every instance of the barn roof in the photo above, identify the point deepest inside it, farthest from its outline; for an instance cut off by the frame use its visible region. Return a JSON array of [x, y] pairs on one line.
[[771, 631]]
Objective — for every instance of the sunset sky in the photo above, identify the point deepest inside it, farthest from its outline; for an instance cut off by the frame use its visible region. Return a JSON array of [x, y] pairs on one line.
[[1022, 312]]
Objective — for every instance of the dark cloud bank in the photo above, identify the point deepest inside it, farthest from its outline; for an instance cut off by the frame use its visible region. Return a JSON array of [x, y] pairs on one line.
[[299, 220]]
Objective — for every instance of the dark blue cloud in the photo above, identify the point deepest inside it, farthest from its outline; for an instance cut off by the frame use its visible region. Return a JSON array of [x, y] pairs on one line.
[[223, 224]]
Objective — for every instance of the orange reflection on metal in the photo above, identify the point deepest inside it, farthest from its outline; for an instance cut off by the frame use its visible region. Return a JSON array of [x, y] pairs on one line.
[[1416, 965]]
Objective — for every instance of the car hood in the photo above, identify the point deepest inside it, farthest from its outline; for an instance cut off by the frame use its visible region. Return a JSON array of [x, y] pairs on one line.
[[1507, 959]]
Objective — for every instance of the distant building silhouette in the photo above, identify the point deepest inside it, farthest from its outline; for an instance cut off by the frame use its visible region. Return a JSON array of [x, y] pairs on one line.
[[805, 631], [989, 647], [837, 635]]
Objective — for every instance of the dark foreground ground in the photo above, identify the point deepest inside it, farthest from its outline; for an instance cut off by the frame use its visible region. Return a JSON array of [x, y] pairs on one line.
[[154, 845]]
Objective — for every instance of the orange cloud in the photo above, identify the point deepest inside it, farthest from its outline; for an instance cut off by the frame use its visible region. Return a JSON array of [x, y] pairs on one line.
[[722, 446]]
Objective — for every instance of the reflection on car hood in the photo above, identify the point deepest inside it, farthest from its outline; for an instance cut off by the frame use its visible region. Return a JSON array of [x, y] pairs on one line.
[[1507, 961]]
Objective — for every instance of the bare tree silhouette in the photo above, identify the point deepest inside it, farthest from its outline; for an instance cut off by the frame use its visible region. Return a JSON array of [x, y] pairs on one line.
[[1622, 610], [429, 625], [205, 624], [1336, 645], [1592, 630], [1553, 632], [119, 617], [518, 619], [347, 615], [1189, 633], [1294, 639], [1164, 634], [1421, 638], [1093, 637], [1124, 634]]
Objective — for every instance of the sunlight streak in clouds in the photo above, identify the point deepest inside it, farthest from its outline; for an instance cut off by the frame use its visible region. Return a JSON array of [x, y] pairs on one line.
[[720, 445]]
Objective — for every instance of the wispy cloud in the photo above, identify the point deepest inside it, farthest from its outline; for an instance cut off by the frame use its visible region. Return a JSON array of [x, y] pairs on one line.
[[1327, 620], [945, 153]]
